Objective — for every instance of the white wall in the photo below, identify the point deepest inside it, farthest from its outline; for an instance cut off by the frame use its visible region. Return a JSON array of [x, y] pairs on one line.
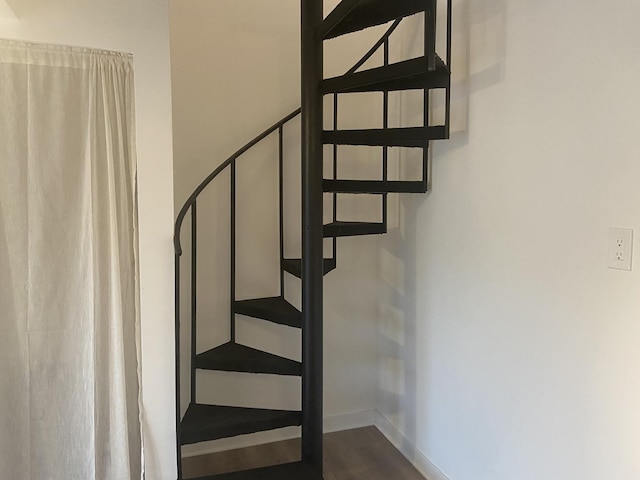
[[140, 27], [508, 350], [6, 10], [236, 71]]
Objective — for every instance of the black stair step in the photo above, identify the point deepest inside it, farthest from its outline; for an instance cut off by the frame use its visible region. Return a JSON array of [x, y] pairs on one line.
[[386, 137], [294, 266], [352, 229], [285, 471], [274, 309], [202, 423], [408, 75], [373, 186], [353, 15], [233, 357]]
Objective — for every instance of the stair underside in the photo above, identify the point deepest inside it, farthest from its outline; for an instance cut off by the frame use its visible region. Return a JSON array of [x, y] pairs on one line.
[[294, 266], [202, 423], [352, 229], [233, 357], [353, 15], [407, 75], [273, 309], [389, 137], [373, 186], [286, 471]]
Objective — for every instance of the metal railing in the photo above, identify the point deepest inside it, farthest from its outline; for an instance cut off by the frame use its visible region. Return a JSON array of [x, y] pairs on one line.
[[191, 204]]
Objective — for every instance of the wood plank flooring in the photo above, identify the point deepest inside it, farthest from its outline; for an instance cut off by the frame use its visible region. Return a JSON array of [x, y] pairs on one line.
[[361, 454]]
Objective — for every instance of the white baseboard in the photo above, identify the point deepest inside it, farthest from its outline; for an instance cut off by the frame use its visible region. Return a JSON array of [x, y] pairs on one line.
[[332, 423], [408, 449], [350, 421]]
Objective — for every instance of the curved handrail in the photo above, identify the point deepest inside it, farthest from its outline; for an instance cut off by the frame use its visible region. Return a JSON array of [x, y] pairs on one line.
[[191, 200], [375, 47]]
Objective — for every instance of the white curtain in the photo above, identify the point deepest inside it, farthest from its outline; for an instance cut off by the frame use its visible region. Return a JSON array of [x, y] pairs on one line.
[[69, 381]]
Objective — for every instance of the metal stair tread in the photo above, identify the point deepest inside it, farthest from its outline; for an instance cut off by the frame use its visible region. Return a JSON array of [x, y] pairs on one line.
[[352, 229], [284, 471], [353, 15], [294, 266], [202, 423], [386, 137], [406, 75], [373, 186], [273, 309], [234, 357]]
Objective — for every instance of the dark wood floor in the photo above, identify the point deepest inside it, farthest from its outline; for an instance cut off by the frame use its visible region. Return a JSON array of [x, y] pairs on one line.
[[362, 454]]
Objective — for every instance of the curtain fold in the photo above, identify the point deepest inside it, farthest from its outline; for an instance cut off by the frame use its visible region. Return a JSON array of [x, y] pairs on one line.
[[69, 316]]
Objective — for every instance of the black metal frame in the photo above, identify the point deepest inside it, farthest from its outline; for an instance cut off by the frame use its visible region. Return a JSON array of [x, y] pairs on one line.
[[312, 233], [190, 206], [312, 207], [430, 55]]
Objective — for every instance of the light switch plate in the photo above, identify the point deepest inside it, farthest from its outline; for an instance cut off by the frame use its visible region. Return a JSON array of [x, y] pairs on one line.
[[620, 248]]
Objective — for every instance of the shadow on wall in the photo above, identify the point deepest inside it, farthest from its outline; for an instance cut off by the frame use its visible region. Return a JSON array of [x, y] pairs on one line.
[[478, 59], [479, 55], [397, 383]]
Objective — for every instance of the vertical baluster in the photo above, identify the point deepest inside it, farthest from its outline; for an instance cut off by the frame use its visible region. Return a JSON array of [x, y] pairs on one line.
[[447, 121], [430, 35], [194, 296], [429, 51], [177, 365], [335, 176], [281, 206], [385, 150], [233, 253]]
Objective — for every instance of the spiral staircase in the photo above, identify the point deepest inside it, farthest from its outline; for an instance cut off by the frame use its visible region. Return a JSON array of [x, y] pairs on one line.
[[204, 422]]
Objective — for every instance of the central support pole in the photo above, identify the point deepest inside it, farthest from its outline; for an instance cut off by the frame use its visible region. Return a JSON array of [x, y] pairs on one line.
[[312, 238]]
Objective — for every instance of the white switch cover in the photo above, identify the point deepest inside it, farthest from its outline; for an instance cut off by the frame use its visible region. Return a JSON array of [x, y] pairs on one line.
[[620, 248]]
